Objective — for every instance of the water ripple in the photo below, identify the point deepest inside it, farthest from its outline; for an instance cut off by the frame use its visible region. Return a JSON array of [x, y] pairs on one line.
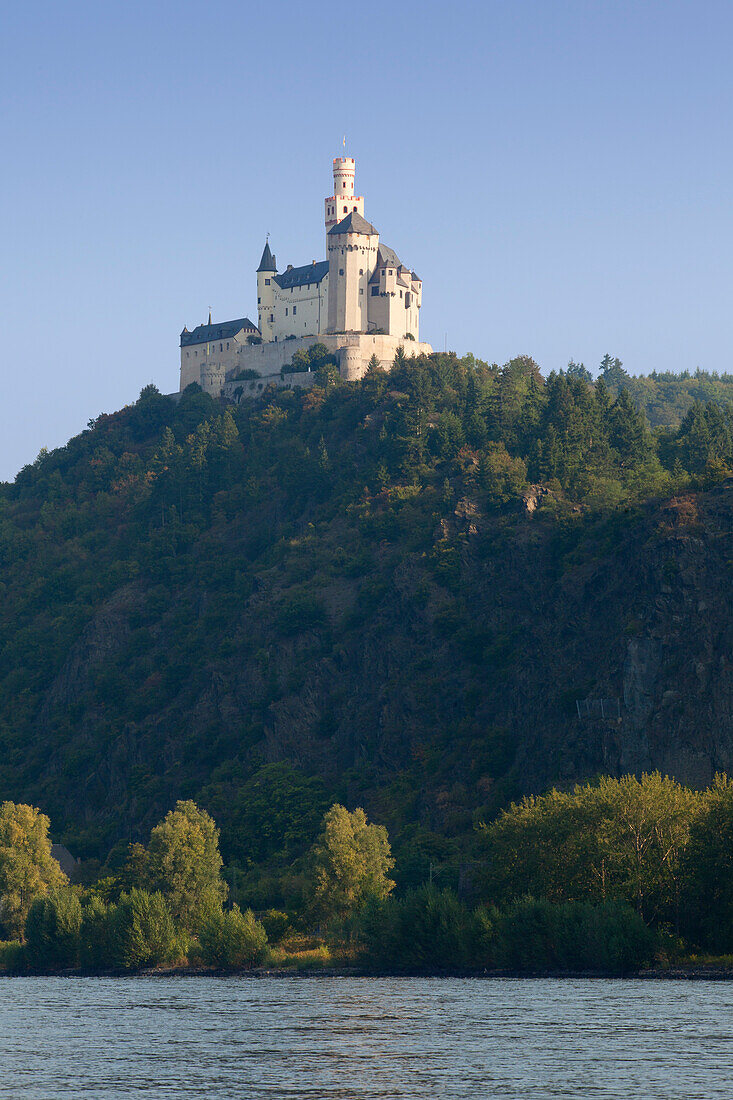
[[364, 1039]]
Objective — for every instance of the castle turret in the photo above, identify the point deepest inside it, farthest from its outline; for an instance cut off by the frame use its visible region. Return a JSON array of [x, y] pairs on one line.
[[343, 201], [352, 255], [266, 273]]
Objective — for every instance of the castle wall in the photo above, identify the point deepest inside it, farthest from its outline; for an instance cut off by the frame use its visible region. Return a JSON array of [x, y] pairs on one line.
[[309, 303], [353, 349], [208, 364]]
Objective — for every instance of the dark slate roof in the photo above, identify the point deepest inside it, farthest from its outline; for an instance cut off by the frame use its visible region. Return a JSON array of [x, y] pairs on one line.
[[64, 858], [386, 257], [354, 223], [224, 331], [299, 276], [267, 263]]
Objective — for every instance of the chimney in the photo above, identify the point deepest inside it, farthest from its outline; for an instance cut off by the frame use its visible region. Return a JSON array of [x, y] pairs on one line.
[[289, 267]]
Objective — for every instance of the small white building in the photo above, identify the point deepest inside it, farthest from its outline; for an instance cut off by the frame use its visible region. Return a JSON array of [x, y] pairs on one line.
[[362, 301]]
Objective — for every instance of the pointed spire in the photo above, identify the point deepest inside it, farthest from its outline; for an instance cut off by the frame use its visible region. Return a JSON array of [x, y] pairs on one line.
[[267, 263], [209, 315]]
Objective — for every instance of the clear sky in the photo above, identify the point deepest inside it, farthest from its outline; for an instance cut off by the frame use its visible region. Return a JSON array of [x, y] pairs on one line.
[[558, 173]]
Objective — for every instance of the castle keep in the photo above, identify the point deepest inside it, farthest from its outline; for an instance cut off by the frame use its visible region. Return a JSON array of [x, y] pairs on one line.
[[361, 301]]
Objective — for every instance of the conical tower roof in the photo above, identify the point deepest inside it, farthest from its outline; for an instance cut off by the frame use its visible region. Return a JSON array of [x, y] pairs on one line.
[[267, 263]]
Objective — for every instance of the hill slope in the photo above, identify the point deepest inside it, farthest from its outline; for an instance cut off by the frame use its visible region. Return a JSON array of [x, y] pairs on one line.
[[393, 593]]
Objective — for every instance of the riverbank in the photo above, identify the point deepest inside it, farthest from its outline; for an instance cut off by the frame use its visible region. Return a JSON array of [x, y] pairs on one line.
[[672, 973]]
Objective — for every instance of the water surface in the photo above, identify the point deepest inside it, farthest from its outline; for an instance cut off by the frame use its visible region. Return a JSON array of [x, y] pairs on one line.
[[364, 1038]]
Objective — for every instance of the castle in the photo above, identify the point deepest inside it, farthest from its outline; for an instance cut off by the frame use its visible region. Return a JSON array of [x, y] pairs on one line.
[[361, 302]]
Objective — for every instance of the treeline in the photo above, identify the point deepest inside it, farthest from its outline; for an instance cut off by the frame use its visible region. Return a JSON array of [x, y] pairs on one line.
[[609, 877]]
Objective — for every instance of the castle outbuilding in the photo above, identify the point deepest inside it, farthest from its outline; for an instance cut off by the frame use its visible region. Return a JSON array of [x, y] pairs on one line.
[[362, 301]]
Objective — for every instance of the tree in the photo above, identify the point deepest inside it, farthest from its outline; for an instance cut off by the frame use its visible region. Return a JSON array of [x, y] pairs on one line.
[[27, 868], [233, 940], [579, 370], [614, 838], [349, 863], [708, 870], [183, 862]]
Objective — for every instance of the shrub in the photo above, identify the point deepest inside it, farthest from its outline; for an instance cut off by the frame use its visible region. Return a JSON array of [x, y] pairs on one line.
[[97, 945], [142, 930], [12, 956], [428, 929], [276, 924], [535, 934], [52, 930], [233, 940]]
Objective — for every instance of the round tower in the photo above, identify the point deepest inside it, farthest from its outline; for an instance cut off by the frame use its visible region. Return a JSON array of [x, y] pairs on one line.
[[343, 201], [266, 273]]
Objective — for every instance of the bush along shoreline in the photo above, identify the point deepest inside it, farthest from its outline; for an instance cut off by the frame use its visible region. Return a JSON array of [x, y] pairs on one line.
[[618, 877]]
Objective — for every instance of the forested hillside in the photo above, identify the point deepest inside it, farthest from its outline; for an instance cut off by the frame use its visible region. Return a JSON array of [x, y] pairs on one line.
[[426, 593]]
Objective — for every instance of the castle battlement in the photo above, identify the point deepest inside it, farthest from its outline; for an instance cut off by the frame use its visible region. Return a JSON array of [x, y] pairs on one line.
[[362, 301]]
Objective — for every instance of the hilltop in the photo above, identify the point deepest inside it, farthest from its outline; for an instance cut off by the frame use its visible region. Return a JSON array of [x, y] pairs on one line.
[[410, 593]]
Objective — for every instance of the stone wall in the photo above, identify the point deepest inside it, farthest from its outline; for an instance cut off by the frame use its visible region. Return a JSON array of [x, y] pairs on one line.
[[354, 351]]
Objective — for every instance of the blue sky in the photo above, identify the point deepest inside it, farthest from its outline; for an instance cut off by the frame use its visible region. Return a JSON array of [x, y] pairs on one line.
[[558, 173]]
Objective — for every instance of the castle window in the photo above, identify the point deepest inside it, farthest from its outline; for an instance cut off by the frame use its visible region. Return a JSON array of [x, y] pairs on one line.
[[286, 311], [346, 210], [295, 310], [221, 347], [341, 271], [361, 289], [375, 291], [267, 282], [400, 294], [272, 318], [187, 354], [361, 270], [354, 208], [258, 301]]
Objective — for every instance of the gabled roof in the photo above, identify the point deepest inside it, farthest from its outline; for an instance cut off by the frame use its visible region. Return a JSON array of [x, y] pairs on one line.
[[300, 276], [354, 223], [267, 263], [224, 331]]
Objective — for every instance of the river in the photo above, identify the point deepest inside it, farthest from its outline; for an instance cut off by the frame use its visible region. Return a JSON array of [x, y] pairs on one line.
[[99, 1038]]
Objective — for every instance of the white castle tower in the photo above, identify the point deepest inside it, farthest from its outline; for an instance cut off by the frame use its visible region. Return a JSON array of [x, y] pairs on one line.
[[343, 201], [266, 274]]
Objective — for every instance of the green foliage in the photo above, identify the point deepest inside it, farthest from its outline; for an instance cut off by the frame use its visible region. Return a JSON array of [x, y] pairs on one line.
[[429, 929], [52, 931], [317, 576], [97, 944], [183, 862], [276, 924], [538, 935], [233, 940], [142, 932], [615, 838], [349, 864], [708, 867], [27, 868], [12, 957]]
